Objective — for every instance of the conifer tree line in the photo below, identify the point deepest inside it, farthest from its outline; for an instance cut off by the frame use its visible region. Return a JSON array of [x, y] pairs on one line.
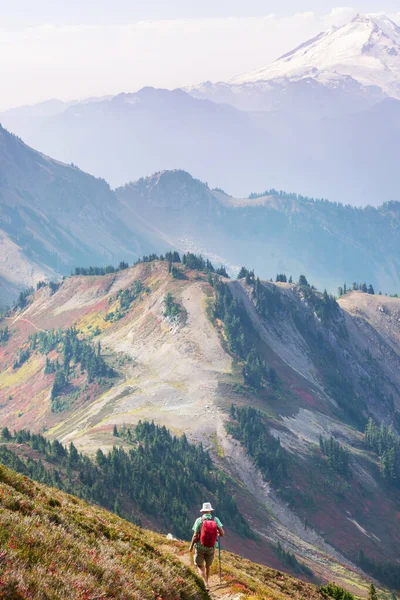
[[160, 475], [337, 456], [282, 278], [386, 444], [72, 352], [290, 561], [362, 287], [248, 427], [238, 332], [107, 270], [189, 260], [388, 572]]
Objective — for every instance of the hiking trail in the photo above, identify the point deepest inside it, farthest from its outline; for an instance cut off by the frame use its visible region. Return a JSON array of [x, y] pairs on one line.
[[216, 589]]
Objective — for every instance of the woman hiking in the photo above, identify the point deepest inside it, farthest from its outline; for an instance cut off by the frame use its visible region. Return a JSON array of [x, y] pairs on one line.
[[206, 530]]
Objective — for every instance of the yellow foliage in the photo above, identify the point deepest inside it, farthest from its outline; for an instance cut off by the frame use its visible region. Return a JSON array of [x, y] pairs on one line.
[[12, 377]]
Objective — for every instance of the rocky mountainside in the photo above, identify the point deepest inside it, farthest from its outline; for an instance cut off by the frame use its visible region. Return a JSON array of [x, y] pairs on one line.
[[273, 232], [241, 366]]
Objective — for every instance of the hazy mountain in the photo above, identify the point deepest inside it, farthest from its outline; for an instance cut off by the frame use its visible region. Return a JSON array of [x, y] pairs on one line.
[[316, 121], [272, 233], [343, 70], [132, 135], [53, 217], [306, 98]]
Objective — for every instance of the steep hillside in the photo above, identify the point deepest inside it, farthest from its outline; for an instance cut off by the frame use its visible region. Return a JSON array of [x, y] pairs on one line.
[[274, 232], [52, 217], [54, 545], [180, 358]]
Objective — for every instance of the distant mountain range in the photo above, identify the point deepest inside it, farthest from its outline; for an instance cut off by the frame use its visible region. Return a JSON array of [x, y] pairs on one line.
[[323, 120], [54, 217]]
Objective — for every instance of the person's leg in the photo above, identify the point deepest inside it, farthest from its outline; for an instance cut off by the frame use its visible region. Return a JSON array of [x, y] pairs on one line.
[[209, 558], [199, 561]]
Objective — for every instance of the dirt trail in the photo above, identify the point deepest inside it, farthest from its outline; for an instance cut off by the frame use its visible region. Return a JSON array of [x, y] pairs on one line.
[[25, 321], [216, 589]]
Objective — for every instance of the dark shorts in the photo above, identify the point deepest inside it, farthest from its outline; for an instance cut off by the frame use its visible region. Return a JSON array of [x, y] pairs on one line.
[[203, 556]]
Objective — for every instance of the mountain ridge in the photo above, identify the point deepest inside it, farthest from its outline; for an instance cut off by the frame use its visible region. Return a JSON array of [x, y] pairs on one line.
[[334, 364]]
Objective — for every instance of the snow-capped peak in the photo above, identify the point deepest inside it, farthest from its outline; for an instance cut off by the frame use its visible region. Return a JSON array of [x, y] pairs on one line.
[[366, 49]]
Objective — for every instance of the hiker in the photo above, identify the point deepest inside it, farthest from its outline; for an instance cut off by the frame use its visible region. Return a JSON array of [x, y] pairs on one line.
[[206, 530]]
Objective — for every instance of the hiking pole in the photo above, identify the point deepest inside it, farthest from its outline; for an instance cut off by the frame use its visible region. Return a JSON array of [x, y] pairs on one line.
[[219, 553]]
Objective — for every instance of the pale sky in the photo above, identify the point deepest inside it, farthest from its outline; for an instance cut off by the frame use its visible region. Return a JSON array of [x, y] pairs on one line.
[[82, 48]]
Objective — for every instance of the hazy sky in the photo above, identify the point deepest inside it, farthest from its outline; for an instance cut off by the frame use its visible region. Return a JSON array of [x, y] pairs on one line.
[[81, 48]]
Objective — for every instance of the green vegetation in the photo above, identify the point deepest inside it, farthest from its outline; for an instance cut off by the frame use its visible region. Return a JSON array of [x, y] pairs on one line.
[[386, 572], [161, 475], [107, 270], [233, 315], [23, 357], [239, 332], [290, 561], [331, 590], [22, 300], [248, 427], [267, 299], [125, 297], [324, 305], [255, 371], [4, 334], [73, 352], [288, 196], [386, 444], [362, 287], [172, 309], [281, 278], [337, 457]]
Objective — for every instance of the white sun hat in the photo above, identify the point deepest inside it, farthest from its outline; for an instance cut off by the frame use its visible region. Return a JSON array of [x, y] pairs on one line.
[[206, 507]]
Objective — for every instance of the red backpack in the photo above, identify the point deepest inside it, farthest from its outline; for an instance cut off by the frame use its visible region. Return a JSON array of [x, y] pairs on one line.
[[209, 533]]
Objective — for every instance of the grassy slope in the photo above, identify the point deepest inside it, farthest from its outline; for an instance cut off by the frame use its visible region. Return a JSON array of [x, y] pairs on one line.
[[53, 545]]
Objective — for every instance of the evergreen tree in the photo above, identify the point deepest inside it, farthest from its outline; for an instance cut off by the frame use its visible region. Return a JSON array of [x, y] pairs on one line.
[[372, 593], [303, 281]]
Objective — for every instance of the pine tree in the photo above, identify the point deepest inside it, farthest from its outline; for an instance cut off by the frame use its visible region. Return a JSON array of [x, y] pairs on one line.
[[5, 434], [372, 594]]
